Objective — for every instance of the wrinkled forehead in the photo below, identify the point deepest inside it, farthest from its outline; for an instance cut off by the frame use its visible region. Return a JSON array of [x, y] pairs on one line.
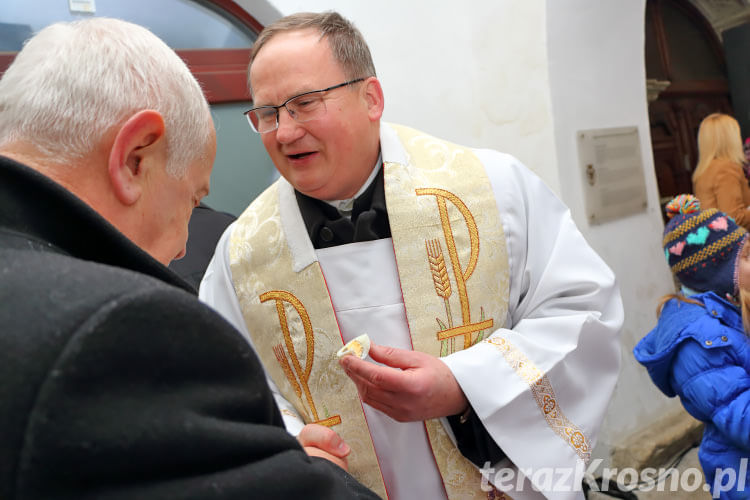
[[291, 63]]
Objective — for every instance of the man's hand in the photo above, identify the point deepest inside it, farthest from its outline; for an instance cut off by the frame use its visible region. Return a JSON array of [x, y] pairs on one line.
[[320, 441], [412, 386]]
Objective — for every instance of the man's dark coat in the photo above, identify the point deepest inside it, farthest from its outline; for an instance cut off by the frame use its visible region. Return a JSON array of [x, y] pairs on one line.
[[115, 382]]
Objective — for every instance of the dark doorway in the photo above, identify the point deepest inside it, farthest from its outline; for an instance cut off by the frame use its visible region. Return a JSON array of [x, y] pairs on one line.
[[685, 58]]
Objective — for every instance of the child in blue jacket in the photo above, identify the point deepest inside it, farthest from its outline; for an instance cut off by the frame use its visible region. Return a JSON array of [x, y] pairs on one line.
[[699, 349]]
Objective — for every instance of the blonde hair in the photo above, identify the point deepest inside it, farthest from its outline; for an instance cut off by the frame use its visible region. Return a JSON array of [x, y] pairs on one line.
[[719, 138]]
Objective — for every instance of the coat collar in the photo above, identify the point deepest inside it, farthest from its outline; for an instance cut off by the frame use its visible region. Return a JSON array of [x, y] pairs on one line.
[[722, 310], [37, 208]]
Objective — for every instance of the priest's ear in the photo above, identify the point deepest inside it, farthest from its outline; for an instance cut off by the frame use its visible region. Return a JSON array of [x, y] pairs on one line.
[[139, 146], [373, 94]]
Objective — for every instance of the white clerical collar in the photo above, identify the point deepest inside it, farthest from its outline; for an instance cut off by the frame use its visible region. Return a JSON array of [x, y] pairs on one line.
[[345, 206]]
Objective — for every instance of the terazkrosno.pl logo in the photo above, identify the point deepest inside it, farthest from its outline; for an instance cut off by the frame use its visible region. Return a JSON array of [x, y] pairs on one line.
[[562, 479]]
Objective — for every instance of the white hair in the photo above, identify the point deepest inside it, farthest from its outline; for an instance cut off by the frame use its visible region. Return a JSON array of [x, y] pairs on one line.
[[73, 82]]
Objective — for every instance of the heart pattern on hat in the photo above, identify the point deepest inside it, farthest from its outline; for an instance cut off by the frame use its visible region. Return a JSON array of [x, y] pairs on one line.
[[719, 224], [702, 246], [677, 248], [698, 237]]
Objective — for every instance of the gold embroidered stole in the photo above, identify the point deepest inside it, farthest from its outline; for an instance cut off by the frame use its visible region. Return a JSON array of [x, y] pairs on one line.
[[294, 331], [452, 217], [453, 267]]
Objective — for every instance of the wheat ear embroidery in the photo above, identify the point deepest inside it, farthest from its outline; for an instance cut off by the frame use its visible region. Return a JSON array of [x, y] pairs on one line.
[[441, 281], [278, 351]]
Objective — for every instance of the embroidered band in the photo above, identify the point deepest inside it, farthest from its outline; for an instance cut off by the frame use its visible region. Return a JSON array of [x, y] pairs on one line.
[[545, 398]]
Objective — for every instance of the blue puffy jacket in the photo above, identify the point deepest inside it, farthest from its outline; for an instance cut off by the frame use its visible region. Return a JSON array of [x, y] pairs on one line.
[[703, 355]]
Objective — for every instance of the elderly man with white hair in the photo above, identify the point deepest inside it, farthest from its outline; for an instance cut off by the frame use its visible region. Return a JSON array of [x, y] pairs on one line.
[[116, 382]]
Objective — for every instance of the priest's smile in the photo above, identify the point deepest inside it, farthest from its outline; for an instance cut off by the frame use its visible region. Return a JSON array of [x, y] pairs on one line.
[[299, 156]]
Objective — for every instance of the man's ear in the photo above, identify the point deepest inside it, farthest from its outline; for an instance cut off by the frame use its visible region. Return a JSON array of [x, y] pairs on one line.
[[134, 144], [374, 98]]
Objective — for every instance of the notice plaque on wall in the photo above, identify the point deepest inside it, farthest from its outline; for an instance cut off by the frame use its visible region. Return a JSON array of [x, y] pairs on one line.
[[612, 172]]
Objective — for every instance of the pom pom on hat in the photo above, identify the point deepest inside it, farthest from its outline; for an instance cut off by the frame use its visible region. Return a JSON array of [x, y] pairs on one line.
[[682, 204], [702, 247]]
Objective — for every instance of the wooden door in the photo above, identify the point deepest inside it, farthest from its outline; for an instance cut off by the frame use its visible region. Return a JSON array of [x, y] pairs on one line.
[[683, 51]]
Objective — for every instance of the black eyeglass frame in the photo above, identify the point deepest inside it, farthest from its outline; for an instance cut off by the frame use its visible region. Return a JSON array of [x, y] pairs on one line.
[[283, 105]]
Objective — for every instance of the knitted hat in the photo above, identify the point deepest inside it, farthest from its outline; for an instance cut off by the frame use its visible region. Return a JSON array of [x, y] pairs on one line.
[[702, 246]]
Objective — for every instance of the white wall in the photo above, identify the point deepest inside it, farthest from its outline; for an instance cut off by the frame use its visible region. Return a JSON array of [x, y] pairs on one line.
[[597, 76], [523, 77], [446, 71]]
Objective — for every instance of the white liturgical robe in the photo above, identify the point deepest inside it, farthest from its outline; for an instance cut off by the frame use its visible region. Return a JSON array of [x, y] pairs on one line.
[[564, 316]]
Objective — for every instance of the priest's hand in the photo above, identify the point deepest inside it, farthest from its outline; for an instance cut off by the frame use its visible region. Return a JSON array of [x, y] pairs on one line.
[[320, 441], [412, 386]]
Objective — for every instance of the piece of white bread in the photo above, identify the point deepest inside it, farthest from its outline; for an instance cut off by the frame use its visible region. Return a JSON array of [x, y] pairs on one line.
[[359, 347]]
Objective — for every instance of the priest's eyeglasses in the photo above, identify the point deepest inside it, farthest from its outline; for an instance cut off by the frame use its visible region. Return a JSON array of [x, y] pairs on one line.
[[303, 108]]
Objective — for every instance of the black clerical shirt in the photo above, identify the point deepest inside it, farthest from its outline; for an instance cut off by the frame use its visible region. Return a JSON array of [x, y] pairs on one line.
[[327, 227]]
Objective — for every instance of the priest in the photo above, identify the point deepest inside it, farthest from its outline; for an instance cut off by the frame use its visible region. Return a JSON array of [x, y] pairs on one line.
[[488, 312]]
